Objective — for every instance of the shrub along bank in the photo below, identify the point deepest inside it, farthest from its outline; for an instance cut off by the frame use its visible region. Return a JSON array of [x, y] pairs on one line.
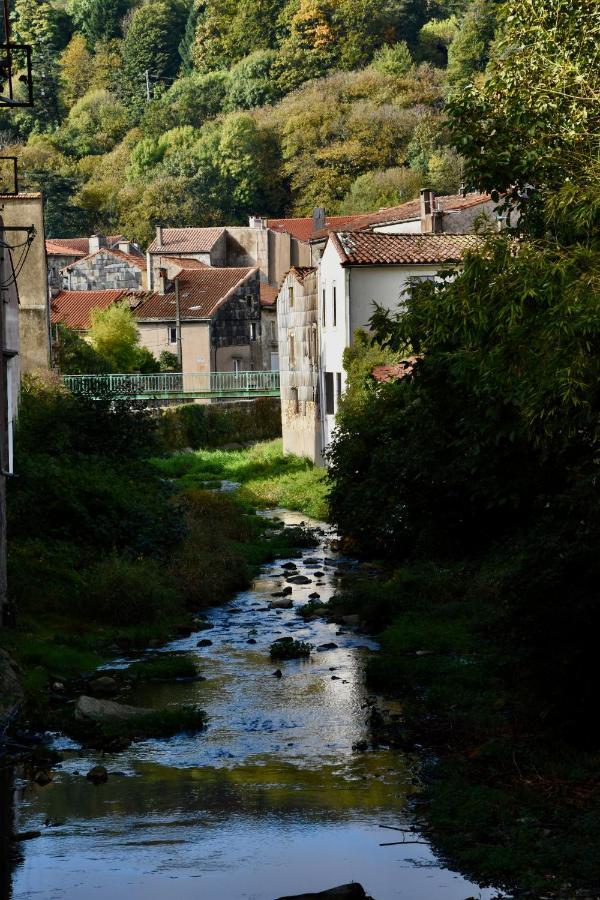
[[104, 551], [197, 425]]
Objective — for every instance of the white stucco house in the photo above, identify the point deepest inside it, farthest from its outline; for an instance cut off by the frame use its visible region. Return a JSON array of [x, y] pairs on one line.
[[357, 270]]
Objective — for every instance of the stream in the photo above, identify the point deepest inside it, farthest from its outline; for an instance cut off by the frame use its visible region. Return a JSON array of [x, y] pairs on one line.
[[271, 799]]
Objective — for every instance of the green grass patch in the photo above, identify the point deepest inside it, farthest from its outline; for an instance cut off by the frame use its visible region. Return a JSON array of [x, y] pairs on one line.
[[163, 667], [267, 477], [163, 723], [288, 648]]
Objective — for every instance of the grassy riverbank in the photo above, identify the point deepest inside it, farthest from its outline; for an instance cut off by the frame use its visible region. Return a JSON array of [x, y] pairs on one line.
[[504, 800], [106, 554], [267, 477]]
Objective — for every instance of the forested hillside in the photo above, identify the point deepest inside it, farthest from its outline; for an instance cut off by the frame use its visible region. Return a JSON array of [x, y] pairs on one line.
[[193, 112]]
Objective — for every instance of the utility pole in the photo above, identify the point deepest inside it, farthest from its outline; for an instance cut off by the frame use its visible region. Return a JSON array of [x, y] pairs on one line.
[[147, 77], [178, 325]]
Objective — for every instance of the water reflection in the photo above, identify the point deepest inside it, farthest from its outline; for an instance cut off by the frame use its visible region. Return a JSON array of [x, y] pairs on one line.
[[271, 800]]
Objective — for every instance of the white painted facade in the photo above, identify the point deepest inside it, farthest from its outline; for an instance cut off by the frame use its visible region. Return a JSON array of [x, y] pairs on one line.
[[347, 297]]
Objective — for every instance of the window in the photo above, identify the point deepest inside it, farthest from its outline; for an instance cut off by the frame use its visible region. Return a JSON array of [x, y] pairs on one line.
[[324, 306], [334, 323], [237, 365], [253, 331], [292, 350], [414, 280], [338, 387], [249, 301], [329, 396], [172, 334], [291, 294]]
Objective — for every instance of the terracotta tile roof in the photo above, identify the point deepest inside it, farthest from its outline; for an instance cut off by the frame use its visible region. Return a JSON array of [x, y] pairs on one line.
[[301, 272], [73, 308], [187, 240], [139, 262], [268, 295], [412, 210], [303, 229], [183, 262], [395, 371], [368, 248], [201, 292], [79, 246]]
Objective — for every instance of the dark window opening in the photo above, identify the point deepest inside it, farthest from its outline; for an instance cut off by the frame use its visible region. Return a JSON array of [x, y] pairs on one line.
[[334, 307], [329, 395]]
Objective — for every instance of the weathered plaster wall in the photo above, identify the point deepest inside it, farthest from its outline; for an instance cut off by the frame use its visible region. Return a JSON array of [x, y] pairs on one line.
[[34, 313], [231, 327], [297, 317]]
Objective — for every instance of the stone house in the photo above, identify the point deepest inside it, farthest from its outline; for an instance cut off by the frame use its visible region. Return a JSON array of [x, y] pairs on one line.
[[107, 269], [62, 252], [297, 318], [219, 316]]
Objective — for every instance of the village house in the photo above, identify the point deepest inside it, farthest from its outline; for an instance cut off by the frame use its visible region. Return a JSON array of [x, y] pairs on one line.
[[107, 269], [23, 217], [209, 317], [297, 316], [63, 252], [357, 270]]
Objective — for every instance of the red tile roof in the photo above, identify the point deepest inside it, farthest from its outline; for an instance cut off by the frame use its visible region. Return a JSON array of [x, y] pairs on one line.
[[268, 295], [73, 308], [201, 292], [410, 210], [367, 248], [183, 262], [395, 371], [79, 246], [187, 240], [301, 272], [139, 262], [303, 229], [32, 195]]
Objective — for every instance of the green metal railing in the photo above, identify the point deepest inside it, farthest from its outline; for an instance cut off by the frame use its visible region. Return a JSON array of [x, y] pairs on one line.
[[176, 385]]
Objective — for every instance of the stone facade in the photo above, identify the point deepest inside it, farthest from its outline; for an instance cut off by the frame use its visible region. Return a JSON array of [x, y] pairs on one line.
[[105, 270], [235, 329], [297, 321]]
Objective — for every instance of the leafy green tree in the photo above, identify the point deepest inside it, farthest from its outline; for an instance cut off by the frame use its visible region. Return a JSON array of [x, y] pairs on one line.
[[186, 47], [393, 59], [168, 362], [76, 70], [534, 119], [310, 47], [114, 336], [227, 31], [189, 101], [94, 125], [75, 356], [38, 23], [374, 190], [251, 81], [435, 39], [99, 20], [469, 52], [152, 44]]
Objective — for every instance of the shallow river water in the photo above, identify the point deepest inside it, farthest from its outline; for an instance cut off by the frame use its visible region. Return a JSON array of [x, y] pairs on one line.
[[269, 800]]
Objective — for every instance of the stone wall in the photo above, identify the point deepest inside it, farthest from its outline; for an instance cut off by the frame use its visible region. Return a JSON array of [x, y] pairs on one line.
[[103, 272], [232, 323]]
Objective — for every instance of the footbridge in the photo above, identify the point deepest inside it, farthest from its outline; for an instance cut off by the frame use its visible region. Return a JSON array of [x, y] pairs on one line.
[[170, 386]]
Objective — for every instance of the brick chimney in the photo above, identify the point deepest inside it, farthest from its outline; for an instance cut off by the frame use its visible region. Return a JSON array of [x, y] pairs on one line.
[[96, 242], [318, 218]]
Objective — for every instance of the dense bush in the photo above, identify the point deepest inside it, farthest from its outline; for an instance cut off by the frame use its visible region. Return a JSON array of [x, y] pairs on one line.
[[197, 425]]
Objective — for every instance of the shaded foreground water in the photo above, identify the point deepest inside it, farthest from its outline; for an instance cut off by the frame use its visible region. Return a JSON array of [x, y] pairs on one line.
[[271, 799]]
